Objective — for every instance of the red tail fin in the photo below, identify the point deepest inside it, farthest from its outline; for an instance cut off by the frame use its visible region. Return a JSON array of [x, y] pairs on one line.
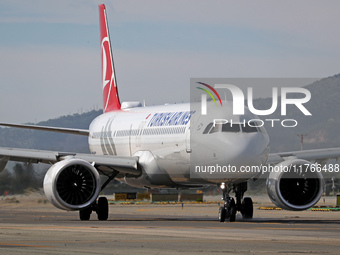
[[110, 92]]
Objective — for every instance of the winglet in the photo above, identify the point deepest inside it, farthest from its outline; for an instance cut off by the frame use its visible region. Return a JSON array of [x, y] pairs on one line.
[[110, 91]]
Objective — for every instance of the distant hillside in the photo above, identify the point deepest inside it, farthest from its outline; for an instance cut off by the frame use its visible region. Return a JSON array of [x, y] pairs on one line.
[[23, 138], [321, 129]]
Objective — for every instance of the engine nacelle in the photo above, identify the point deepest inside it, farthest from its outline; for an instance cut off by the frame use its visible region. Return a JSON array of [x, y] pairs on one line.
[[297, 189], [72, 184]]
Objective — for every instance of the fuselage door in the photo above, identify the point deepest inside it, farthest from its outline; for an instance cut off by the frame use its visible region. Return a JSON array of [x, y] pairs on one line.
[[139, 133], [187, 139]]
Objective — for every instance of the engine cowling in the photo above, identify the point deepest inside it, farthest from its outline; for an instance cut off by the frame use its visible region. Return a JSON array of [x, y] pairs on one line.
[[297, 189], [72, 184]]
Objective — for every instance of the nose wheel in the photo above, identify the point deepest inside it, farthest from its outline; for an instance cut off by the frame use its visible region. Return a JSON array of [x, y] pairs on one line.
[[229, 209]]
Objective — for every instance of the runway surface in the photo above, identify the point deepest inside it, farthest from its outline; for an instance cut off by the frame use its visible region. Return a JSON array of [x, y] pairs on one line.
[[29, 227]]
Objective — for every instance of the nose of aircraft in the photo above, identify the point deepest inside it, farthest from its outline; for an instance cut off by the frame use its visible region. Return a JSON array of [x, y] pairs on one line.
[[223, 155], [246, 150]]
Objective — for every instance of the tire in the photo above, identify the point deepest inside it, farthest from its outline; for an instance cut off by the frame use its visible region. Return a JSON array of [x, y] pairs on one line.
[[103, 209], [85, 214], [247, 208], [221, 214], [232, 211]]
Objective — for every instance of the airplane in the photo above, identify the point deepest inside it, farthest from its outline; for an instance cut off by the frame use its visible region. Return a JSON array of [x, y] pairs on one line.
[[162, 146]]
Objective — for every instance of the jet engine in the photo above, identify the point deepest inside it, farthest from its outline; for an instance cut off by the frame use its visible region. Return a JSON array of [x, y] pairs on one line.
[[295, 185], [72, 184]]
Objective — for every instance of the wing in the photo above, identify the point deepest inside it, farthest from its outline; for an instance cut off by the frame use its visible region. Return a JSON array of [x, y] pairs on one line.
[[72, 131], [104, 163], [318, 155]]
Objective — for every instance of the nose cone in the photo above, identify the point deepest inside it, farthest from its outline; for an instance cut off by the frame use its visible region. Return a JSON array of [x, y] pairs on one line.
[[247, 149], [229, 156], [223, 145], [244, 155]]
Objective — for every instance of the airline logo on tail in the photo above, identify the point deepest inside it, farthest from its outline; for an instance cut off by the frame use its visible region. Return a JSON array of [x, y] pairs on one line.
[[110, 92]]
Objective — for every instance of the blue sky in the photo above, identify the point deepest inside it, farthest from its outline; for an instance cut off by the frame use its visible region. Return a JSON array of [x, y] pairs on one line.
[[50, 54]]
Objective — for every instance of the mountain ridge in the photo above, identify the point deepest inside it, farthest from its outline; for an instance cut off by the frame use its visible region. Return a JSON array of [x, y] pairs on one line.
[[320, 130]]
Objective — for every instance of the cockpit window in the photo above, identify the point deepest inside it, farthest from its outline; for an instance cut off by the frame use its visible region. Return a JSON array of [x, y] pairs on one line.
[[207, 129], [260, 128], [215, 129], [249, 127], [228, 127]]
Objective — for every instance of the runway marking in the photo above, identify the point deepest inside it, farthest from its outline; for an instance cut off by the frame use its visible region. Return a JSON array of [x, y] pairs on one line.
[[12, 245], [178, 210], [224, 226]]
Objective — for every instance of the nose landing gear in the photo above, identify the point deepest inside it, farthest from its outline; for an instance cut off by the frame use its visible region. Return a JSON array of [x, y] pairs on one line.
[[229, 209]]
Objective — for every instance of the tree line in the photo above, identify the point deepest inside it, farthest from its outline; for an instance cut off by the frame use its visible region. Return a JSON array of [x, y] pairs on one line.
[[20, 178]]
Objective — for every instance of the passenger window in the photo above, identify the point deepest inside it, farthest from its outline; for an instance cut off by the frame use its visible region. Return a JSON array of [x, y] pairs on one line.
[[234, 128], [249, 128]]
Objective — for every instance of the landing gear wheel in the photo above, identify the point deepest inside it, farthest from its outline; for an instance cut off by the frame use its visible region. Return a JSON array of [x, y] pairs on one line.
[[231, 210], [85, 214], [247, 208], [222, 214], [102, 208]]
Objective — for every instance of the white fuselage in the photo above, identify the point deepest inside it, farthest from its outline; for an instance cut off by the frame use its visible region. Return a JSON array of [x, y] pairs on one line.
[[169, 141]]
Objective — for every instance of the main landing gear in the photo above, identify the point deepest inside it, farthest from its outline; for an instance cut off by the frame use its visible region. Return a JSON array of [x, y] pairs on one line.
[[101, 207], [243, 204]]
